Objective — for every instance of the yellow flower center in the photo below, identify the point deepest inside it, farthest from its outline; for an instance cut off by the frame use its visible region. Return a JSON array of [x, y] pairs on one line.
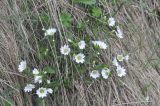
[[41, 90], [79, 57], [120, 57], [65, 50], [94, 72]]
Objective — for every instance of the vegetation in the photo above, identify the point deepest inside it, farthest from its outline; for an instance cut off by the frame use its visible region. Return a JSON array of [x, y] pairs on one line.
[[79, 52]]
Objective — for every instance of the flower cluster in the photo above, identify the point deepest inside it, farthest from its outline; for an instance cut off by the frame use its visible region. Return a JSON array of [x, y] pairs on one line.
[[50, 32], [80, 57], [41, 92], [121, 71], [117, 61], [111, 23], [104, 72]]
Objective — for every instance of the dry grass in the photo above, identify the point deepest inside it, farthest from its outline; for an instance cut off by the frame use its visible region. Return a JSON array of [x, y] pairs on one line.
[[141, 24]]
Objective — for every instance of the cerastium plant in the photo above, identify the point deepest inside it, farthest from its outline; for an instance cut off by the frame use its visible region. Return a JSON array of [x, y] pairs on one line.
[[84, 54]]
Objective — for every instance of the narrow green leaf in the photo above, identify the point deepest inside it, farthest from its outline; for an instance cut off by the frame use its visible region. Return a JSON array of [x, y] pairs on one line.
[[50, 70], [87, 2]]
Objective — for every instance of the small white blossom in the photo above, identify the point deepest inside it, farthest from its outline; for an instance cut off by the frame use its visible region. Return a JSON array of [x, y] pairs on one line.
[[69, 40], [22, 66], [43, 29], [29, 87], [42, 92], [48, 81], [79, 58], [35, 71], [65, 50], [119, 32], [126, 57], [50, 32], [101, 44], [105, 73], [49, 90], [82, 44], [111, 21], [120, 57], [121, 71], [94, 74], [147, 98], [115, 62], [38, 79]]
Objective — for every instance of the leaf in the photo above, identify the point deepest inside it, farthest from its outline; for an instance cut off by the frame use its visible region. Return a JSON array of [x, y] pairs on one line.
[[101, 66], [45, 18], [88, 81], [80, 25], [66, 19], [50, 70], [96, 12], [87, 2], [7, 103]]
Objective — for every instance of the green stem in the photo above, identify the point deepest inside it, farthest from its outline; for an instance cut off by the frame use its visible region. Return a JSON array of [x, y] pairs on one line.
[[43, 102]]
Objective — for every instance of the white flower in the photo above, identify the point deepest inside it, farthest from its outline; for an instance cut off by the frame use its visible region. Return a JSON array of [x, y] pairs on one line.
[[147, 98], [121, 71], [94, 74], [42, 92], [69, 40], [49, 90], [35, 71], [50, 31], [45, 72], [111, 21], [43, 29], [105, 73], [120, 57], [79, 58], [101, 44], [37, 79], [119, 32], [22, 66], [82, 44], [48, 81], [65, 50], [115, 62], [29, 87], [126, 57]]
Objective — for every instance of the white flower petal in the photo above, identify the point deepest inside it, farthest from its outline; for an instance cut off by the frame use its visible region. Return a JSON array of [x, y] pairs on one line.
[[101, 44], [48, 81], [94, 74], [126, 57], [69, 40], [121, 71], [111, 21], [105, 73], [37, 79], [42, 92], [22, 66], [119, 32], [115, 62], [35, 71], [65, 50], [49, 90], [79, 58], [82, 44], [50, 31], [29, 87]]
